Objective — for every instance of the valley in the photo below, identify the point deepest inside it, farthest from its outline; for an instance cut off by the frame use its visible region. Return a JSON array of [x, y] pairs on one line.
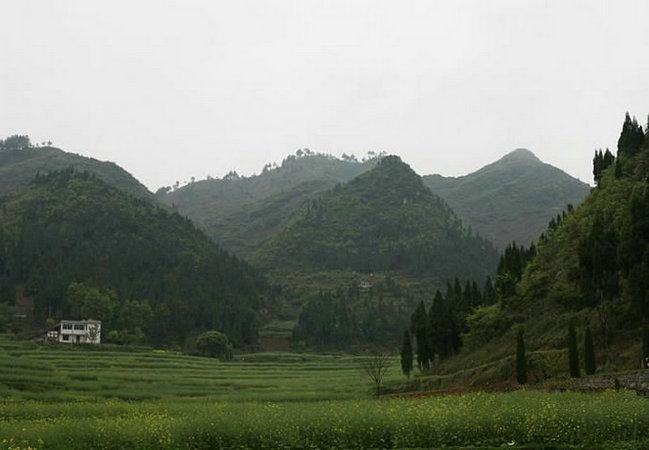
[[269, 311]]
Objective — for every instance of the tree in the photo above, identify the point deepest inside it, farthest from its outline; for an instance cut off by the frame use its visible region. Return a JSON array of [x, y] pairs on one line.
[[89, 302], [406, 354], [573, 354], [15, 142], [631, 137], [645, 345], [521, 360], [375, 368], [589, 353], [419, 328], [214, 344]]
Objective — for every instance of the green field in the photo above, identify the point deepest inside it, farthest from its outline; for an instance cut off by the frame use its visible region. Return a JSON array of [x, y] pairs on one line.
[[88, 397]]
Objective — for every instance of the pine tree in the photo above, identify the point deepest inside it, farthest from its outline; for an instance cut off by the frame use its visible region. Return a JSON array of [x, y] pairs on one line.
[[573, 354], [589, 353], [406, 354], [521, 361]]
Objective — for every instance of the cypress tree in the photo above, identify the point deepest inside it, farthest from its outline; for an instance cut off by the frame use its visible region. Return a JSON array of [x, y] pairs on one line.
[[645, 345], [406, 354], [420, 330], [589, 353], [597, 166], [573, 354], [521, 361]]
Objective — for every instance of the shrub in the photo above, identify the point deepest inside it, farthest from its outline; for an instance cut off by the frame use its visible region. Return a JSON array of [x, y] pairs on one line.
[[214, 344]]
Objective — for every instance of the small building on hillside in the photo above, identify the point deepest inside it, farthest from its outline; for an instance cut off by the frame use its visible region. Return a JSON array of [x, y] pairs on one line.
[[76, 332]]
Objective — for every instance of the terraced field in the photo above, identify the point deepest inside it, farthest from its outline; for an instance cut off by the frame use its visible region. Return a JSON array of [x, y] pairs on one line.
[[54, 373]]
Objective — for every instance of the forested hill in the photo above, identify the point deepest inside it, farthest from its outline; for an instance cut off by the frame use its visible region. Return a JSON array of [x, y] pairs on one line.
[[83, 249], [19, 166], [590, 270], [512, 199], [242, 212], [384, 219]]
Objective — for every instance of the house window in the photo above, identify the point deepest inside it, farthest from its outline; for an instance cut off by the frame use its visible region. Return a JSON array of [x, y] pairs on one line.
[[80, 327], [67, 326], [66, 337]]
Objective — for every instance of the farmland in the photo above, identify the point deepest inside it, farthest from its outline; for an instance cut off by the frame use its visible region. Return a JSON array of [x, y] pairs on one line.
[[81, 397]]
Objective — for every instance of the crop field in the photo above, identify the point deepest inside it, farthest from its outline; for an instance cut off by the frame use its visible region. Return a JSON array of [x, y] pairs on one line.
[[84, 398]]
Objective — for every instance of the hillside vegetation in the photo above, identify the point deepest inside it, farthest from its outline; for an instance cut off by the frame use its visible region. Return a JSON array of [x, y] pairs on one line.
[[512, 199], [81, 248], [19, 166], [385, 219], [590, 270], [241, 213]]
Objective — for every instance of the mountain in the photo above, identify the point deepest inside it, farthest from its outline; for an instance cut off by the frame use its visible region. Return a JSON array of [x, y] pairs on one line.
[[385, 219], [242, 212], [512, 199], [18, 167], [79, 247]]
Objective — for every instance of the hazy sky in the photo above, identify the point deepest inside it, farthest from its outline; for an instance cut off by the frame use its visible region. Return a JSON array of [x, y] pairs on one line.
[[174, 89]]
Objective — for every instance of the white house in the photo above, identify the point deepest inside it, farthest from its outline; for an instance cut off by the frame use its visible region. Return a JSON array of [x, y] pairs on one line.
[[76, 332]]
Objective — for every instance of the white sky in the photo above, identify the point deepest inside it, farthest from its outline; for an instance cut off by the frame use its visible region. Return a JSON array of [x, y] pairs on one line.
[[174, 89]]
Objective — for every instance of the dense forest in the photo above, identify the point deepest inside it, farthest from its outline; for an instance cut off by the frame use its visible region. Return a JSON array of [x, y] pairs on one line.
[[84, 249], [385, 219]]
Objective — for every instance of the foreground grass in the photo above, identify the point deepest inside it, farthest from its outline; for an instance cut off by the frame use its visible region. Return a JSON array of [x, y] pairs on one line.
[[514, 419]]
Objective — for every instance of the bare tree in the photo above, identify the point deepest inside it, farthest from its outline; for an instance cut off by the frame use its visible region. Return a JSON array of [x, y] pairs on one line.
[[375, 368]]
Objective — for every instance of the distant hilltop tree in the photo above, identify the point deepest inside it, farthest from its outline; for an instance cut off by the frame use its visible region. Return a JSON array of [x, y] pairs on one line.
[[15, 142]]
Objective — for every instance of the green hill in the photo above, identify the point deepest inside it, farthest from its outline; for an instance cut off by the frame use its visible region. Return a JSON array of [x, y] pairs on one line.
[[590, 269], [242, 212], [383, 220], [80, 247], [512, 199], [18, 167]]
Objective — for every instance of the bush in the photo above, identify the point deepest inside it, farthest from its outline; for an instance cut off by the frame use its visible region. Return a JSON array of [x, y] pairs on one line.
[[215, 345]]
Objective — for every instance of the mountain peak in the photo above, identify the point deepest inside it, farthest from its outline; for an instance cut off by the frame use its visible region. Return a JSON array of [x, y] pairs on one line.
[[520, 155]]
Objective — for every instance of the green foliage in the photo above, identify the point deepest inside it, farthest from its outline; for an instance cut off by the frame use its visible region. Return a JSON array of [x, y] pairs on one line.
[[384, 219], [214, 344], [84, 248], [484, 324], [521, 359], [511, 199], [406, 354], [87, 302], [589, 353], [573, 353]]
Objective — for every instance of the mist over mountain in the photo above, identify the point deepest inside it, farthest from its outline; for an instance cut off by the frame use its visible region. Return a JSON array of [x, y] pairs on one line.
[[240, 213], [512, 199], [18, 167]]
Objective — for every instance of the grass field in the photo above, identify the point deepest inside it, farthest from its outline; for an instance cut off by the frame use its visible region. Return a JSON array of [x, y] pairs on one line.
[[87, 397]]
